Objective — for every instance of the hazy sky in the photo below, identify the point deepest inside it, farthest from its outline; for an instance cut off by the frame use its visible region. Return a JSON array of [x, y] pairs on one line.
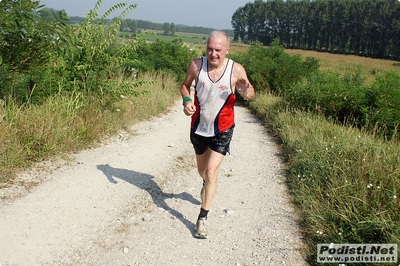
[[205, 13]]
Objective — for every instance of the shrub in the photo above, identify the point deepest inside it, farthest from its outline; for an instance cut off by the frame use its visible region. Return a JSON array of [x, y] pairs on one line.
[[171, 57], [27, 42], [91, 62], [271, 69], [341, 98], [382, 113]]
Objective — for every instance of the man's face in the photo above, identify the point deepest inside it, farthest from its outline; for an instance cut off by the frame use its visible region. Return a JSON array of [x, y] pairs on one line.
[[217, 49]]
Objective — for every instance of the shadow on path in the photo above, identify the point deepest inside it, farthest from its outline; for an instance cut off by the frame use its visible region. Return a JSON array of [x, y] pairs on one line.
[[145, 182]]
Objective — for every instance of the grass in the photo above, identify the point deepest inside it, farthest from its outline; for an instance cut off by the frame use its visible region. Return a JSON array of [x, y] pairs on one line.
[[368, 67], [343, 182], [65, 124]]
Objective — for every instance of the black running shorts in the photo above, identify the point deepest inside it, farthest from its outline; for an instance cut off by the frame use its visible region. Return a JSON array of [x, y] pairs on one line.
[[219, 143]]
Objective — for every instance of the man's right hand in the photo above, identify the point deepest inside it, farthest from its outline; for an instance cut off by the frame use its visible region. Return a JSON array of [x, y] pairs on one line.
[[189, 108]]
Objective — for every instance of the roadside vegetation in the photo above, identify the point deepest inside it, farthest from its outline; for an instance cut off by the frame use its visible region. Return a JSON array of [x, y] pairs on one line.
[[66, 88], [336, 120], [340, 142]]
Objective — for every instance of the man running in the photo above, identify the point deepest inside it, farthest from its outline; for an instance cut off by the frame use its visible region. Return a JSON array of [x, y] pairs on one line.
[[212, 109]]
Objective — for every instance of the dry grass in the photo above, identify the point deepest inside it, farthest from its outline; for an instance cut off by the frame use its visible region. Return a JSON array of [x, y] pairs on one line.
[[238, 47], [65, 124]]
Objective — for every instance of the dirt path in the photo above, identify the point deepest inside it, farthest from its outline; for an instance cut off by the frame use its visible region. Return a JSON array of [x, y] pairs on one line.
[[135, 199]]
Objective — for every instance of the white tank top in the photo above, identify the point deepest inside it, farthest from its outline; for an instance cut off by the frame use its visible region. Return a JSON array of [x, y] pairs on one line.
[[215, 102]]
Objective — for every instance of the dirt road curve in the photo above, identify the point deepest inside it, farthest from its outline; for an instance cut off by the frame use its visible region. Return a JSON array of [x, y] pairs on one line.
[[134, 201]]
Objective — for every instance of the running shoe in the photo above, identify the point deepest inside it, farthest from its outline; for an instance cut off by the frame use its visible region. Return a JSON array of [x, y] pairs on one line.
[[200, 229]]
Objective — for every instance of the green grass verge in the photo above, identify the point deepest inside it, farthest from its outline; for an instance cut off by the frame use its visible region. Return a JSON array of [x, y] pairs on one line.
[[344, 183]]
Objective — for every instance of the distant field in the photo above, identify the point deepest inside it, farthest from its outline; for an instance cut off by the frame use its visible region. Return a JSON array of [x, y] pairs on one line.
[[192, 38], [368, 67], [186, 37]]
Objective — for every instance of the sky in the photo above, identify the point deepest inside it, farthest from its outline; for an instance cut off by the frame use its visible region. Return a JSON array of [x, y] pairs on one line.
[[216, 14]]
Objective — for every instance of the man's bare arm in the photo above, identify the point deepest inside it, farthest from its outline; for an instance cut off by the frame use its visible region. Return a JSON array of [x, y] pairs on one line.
[[191, 74], [242, 84]]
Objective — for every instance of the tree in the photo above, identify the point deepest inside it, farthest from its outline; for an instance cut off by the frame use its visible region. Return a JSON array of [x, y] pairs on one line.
[[52, 15], [27, 42], [172, 29], [134, 26], [166, 28], [362, 27], [239, 25]]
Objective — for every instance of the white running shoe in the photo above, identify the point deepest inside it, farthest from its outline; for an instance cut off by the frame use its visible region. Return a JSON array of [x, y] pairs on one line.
[[200, 229]]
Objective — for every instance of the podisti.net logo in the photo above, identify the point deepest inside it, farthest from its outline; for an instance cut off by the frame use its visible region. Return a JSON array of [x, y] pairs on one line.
[[357, 253]]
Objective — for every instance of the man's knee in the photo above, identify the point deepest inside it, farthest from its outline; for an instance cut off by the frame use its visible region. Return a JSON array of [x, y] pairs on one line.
[[211, 175]]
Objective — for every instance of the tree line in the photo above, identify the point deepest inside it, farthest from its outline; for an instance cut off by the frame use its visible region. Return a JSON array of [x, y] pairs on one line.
[[135, 26], [361, 27]]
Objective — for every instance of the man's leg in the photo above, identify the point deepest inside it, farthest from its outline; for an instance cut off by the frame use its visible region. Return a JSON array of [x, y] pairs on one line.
[[201, 168], [208, 165]]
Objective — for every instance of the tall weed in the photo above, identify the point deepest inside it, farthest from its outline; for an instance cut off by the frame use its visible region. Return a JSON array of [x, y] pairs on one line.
[[382, 112], [339, 97]]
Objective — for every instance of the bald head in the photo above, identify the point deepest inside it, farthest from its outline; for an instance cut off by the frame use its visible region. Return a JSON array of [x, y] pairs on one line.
[[217, 48], [219, 34]]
